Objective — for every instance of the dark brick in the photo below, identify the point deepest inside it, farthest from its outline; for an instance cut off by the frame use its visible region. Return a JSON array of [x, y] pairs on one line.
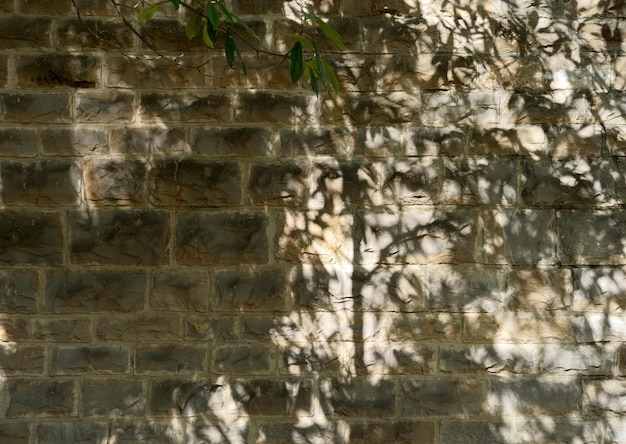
[[243, 359], [74, 35], [57, 70], [41, 183], [169, 35], [170, 359], [315, 142], [104, 106], [41, 397], [6, 6], [18, 291], [263, 290], [256, 7], [18, 143], [189, 398], [15, 330], [180, 290], [425, 141], [591, 237], [4, 70], [154, 432], [46, 7], [184, 72], [117, 182], [277, 184], [243, 142], [210, 328], [21, 32], [94, 291], [273, 397], [276, 432], [22, 360], [88, 359], [441, 398], [119, 237], [185, 107], [358, 397], [35, 107], [397, 432], [62, 330], [15, 433], [362, 109], [531, 396], [514, 358], [412, 183], [112, 398], [148, 140], [221, 238], [283, 109], [190, 182], [73, 142], [30, 238], [138, 329], [75, 432]]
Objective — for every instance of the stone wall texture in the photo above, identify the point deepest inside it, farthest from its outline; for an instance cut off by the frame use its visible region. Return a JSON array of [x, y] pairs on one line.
[[437, 254]]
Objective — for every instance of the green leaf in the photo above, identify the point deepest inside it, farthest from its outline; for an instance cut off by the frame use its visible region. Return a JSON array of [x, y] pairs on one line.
[[212, 15], [229, 49], [295, 62], [303, 39], [206, 37], [246, 27], [194, 26], [147, 12], [314, 85], [330, 33], [331, 74], [176, 3], [226, 12], [318, 61]]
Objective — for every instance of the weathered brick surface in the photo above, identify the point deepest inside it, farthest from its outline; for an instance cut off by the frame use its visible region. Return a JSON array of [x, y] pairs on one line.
[[434, 254]]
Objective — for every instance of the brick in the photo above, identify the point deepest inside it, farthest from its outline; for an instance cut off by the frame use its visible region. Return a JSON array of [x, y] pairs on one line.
[[519, 237], [22, 33], [559, 397], [390, 36], [57, 71], [73, 35], [156, 432], [428, 236], [537, 290], [427, 141], [189, 182], [103, 106], [243, 142], [46, 7], [303, 360], [255, 7], [266, 107], [221, 238], [475, 108], [180, 290], [386, 288], [15, 432], [139, 329], [115, 182], [520, 140], [80, 360], [577, 359], [598, 327], [168, 36], [22, 360], [4, 70], [569, 183], [475, 181], [112, 398], [119, 237], [40, 397], [347, 27], [277, 184], [62, 330], [441, 327], [412, 183], [519, 430], [239, 290], [541, 108], [273, 397], [512, 327], [170, 359], [94, 291], [591, 237], [379, 141], [284, 433], [466, 289], [30, 238], [358, 398], [182, 396], [264, 71], [242, 359], [47, 107], [6, 6], [40, 183], [185, 107], [183, 72], [481, 359], [100, 7], [75, 142], [398, 359], [311, 288], [18, 143], [399, 432], [71, 432], [314, 142], [393, 108], [15, 330], [600, 289], [18, 291], [440, 398], [144, 140], [210, 328]]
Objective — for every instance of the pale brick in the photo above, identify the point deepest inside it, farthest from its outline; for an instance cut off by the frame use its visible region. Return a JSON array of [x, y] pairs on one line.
[[466, 289], [73, 35], [444, 108], [577, 359], [148, 140], [534, 290], [412, 183], [427, 141], [599, 327], [519, 140], [599, 289], [380, 141], [517, 328], [104, 106], [491, 359], [413, 327]]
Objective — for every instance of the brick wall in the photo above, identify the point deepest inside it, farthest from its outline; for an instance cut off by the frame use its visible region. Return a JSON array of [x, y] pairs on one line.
[[436, 255]]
